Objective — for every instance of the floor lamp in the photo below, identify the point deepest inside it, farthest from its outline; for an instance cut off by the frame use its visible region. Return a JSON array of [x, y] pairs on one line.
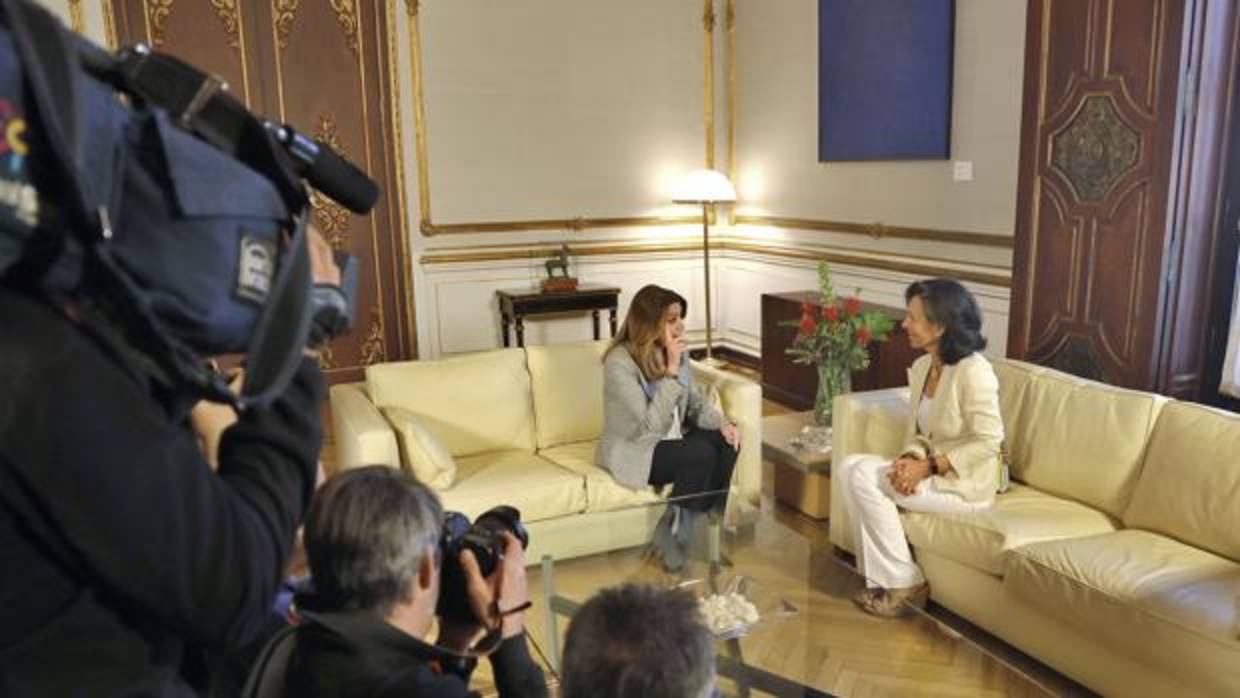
[[705, 187]]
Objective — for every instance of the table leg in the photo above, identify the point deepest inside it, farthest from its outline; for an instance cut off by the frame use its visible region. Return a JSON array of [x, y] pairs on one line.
[[612, 319], [520, 330], [504, 321], [553, 634], [594, 317]]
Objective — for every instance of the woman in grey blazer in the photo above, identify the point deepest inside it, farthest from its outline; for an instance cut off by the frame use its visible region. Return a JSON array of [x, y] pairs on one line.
[[658, 427]]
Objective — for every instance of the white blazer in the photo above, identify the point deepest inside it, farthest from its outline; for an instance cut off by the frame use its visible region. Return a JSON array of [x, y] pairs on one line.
[[964, 425]]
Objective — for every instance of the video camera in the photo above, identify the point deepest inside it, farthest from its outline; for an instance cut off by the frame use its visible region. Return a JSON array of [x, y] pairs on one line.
[[484, 538], [140, 188]]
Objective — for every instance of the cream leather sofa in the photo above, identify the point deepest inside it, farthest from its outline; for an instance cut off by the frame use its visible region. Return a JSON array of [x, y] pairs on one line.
[[521, 425], [1113, 557]]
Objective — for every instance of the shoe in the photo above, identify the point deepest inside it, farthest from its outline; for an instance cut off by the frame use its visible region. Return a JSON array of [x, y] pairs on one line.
[[867, 596], [664, 546], [894, 603]]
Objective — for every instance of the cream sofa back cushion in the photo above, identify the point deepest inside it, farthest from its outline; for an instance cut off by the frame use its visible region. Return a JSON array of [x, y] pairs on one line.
[[475, 403], [567, 384], [1083, 440], [1015, 378], [420, 451], [1190, 483]]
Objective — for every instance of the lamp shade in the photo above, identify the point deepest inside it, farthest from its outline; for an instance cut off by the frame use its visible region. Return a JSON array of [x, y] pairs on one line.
[[704, 187]]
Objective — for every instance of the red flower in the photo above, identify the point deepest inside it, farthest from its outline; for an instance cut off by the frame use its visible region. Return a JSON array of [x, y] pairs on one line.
[[852, 306], [807, 308], [863, 336], [831, 313], [808, 324]]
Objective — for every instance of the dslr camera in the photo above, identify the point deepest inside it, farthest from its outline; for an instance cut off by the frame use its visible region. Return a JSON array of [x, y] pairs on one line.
[[485, 540]]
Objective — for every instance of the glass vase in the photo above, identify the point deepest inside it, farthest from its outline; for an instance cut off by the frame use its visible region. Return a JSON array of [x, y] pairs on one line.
[[833, 379]]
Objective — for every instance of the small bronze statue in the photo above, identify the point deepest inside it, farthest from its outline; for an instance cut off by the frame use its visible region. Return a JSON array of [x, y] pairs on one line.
[[564, 282]]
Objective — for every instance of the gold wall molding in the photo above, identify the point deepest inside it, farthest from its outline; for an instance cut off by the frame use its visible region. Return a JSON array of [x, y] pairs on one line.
[[109, 29], [346, 15], [226, 11], [157, 13], [880, 231], [429, 228], [917, 266], [286, 12], [77, 21]]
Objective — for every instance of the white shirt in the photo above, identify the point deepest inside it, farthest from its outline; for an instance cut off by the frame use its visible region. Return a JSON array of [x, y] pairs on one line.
[[674, 431]]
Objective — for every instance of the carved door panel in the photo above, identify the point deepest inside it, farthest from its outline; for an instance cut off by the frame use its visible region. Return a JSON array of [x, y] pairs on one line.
[[1100, 110], [326, 68]]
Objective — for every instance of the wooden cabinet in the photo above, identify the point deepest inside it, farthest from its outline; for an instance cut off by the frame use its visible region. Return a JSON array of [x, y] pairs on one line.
[[794, 385], [1124, 121], [326, 68]]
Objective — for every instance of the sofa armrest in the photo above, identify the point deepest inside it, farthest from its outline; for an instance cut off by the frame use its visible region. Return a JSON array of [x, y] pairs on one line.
[[867, 422], [742, 403], [363, 436]]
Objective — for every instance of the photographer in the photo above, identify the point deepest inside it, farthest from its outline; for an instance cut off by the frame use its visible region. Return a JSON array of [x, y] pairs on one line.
[[373, 539]]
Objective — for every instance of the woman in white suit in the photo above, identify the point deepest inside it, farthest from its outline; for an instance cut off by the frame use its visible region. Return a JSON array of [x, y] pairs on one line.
[[951, 460]]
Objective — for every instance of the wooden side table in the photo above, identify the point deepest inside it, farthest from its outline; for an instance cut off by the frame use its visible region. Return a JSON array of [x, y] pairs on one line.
[[516, 305], [802, 478]]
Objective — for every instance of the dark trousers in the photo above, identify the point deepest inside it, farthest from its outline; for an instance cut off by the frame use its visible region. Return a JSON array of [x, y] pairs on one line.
[[702, 461]]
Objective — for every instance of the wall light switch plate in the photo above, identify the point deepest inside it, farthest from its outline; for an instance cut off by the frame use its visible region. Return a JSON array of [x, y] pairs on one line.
[[962, 171]]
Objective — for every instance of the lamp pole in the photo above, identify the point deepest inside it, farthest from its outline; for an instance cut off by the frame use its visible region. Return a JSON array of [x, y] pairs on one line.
[[706, 259]]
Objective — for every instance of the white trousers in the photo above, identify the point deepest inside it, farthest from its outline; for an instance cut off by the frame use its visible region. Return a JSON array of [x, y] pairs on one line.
[[883, 554]]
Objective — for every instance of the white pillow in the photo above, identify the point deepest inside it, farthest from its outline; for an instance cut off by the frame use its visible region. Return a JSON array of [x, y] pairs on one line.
[[420, 452]]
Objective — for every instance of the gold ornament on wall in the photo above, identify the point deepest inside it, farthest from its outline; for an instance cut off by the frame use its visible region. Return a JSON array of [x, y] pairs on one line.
[[77, 22], [325, 358], [226, 11], [286, 12], [331, 218], [346, 15], [157, 13], [372, 346]]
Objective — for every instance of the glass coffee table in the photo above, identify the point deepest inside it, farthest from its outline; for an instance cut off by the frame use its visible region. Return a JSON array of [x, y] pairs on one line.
[[810, 640]]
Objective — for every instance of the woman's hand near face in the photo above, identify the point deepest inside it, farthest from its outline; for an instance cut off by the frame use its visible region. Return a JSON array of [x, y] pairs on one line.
[[673, 347], [732, 435]]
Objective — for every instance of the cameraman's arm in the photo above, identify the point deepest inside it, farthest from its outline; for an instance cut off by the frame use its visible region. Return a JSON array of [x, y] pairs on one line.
[[109, 477]]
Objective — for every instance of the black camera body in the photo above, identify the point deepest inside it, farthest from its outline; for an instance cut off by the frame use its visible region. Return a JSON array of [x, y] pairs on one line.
[[485, 540]]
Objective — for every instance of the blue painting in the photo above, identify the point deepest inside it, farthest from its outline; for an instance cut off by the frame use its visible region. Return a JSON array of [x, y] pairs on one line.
[[885, 79]]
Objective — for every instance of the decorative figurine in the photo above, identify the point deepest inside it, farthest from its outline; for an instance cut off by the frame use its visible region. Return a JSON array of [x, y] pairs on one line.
[[560, 284]]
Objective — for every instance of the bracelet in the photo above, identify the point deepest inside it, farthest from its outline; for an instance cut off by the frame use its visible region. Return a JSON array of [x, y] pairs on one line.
[[515, 609]]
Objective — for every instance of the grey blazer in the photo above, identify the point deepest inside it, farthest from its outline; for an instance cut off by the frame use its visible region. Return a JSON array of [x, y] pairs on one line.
[[633, 424]]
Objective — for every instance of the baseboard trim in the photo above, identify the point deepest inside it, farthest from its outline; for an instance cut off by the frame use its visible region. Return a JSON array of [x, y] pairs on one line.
[[731, 355]]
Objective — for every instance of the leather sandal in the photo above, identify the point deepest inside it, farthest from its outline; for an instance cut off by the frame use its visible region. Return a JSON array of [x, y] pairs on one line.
[[866, 596], [894, 603]]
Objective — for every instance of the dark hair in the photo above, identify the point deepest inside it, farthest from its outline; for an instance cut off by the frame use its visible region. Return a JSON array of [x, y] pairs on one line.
[[950, 306], [366, 533], [637, 641]]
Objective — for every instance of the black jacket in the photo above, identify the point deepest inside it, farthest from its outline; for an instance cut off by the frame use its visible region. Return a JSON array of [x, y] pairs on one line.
[[358, 655], [118, 547]]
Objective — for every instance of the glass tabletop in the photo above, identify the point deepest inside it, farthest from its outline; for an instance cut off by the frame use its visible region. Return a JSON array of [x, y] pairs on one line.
[[809, 638]]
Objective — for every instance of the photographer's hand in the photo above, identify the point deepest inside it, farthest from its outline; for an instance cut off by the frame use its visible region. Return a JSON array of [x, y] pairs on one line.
[[492, 599], [323, 267]]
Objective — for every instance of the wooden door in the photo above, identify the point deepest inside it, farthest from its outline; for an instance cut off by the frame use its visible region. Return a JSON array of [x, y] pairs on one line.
[[325, 68], [1101, 81]]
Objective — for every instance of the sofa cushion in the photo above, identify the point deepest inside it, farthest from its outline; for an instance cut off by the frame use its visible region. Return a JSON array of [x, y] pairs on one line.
[[1015, 377], [474, 403], [420, 451], [1083, 440], [538, 488], [603, 493], [567, 385], [1190, 482], [1150, 597], [1019, 516]]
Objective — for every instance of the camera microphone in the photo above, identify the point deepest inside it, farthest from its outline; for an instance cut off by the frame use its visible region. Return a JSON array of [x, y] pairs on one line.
[[326, 171]]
